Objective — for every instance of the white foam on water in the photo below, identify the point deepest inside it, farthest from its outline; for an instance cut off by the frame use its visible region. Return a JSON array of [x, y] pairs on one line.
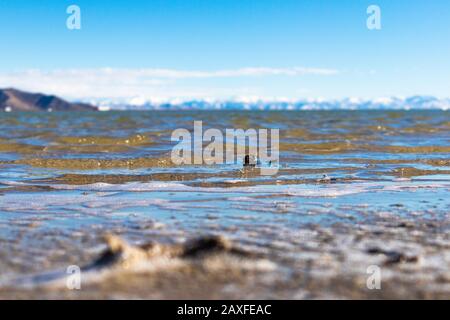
[[329, 190], [102, 203], [109, 197], [297, 190]]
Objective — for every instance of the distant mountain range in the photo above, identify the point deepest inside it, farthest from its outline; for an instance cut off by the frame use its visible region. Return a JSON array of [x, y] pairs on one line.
[[16, 100], [394, 103]]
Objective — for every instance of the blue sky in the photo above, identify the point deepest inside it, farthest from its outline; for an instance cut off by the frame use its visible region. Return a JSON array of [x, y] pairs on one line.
[[218, 49]]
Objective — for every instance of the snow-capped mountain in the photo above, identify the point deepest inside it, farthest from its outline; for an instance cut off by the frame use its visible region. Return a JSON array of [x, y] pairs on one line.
[[394, 103]]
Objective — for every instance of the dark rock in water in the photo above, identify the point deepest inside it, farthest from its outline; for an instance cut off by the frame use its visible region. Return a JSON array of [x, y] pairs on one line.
[[249, 161], [394, 257], [16, 100], [326, 178]]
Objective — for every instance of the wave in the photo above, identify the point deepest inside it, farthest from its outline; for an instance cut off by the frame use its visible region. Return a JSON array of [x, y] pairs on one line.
[[292, 190]]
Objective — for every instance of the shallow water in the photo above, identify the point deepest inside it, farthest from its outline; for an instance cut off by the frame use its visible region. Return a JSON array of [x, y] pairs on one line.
[[66, 179]]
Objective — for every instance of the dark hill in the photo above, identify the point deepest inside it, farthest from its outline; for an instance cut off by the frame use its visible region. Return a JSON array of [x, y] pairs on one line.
[[16, 100]]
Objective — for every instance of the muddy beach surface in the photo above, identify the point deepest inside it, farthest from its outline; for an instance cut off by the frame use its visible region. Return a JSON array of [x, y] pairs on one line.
[[99, 191]]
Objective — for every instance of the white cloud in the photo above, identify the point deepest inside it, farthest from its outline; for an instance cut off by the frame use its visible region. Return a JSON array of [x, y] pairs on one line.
[[147, 83]]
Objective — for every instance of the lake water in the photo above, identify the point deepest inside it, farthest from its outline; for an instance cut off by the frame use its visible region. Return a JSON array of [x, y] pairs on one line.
[[353, 189]]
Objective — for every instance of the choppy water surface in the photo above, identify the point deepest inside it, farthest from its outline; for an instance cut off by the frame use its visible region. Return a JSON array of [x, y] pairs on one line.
[[67, 179]]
